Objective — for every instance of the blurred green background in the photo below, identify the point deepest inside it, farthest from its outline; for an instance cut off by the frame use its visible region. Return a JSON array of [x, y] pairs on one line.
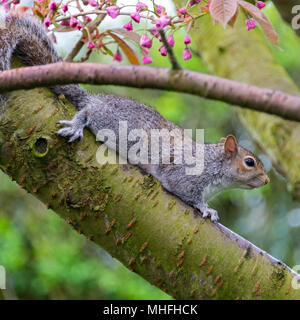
[[46, 259]]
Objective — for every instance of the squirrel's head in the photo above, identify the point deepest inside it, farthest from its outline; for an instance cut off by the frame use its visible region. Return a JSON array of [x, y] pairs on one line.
[[246, 169]]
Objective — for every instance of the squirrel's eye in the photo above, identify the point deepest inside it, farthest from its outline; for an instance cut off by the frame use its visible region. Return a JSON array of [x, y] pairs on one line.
[[249, 162]]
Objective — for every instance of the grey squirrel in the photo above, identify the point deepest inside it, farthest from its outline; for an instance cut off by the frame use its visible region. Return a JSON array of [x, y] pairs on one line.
[[226, 165]]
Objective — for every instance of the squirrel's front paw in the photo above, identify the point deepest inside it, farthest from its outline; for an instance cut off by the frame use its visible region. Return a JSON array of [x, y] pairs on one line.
[[213, 214], [72, 130]]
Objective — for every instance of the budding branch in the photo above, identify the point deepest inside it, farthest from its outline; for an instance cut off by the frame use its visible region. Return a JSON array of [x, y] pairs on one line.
[[203, 85]]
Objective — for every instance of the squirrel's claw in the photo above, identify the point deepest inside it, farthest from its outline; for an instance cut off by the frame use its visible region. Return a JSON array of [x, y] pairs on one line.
[[77, 135], [66, 123], [72, 130], [213, 214]]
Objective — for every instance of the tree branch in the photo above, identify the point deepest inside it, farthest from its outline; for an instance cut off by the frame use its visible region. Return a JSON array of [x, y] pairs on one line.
[[128, 214], [211, 87]]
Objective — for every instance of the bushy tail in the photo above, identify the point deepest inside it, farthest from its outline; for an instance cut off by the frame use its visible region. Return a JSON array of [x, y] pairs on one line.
[[24, 37]]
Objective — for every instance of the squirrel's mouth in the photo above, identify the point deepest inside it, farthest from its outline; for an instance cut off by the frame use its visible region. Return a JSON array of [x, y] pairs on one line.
[[255, 185], [258, 183]]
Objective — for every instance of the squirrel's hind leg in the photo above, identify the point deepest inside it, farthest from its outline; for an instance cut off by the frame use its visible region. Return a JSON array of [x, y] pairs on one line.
[[74, 128]]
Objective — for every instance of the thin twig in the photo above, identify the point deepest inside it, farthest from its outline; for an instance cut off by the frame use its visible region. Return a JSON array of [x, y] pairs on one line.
[[172, 58], [80, 43], [86, 57]]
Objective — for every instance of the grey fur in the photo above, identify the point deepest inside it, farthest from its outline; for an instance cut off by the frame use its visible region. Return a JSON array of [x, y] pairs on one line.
[[27, 39]]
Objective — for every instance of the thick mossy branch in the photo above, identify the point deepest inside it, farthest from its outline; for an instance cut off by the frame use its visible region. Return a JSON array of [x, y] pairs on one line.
[[243, 56], [127, 213]]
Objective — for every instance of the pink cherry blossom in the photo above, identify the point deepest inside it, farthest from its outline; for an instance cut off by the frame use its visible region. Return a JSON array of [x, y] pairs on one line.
[[187, 39], [87, 19], [146, 60], [163, 51], [113, 11], [193, 2], [251, 24], [65, 8], [79, 27], [159, 9], [260, 4], [117, 56], [128, 26], [163, 21], [187, 54], [73, 22], [140, 6], [52, 6], [170, 40], [6, 7], [47, 22], [155, 32], [93, 3], [91, 45], [145, 41], [135, 17], [182, 11]]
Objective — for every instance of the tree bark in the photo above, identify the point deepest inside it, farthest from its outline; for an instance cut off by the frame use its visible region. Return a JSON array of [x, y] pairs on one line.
[[129, 214], [243, 56]]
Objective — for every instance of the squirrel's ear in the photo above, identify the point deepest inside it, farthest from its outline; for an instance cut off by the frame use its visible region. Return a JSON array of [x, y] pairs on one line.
[[230, 145]]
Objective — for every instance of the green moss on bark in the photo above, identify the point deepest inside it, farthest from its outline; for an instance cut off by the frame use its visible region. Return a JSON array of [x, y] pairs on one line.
[[127, 213]]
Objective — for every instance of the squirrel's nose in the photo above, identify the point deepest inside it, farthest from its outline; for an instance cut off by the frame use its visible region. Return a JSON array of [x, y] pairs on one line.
[[267, 180]]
